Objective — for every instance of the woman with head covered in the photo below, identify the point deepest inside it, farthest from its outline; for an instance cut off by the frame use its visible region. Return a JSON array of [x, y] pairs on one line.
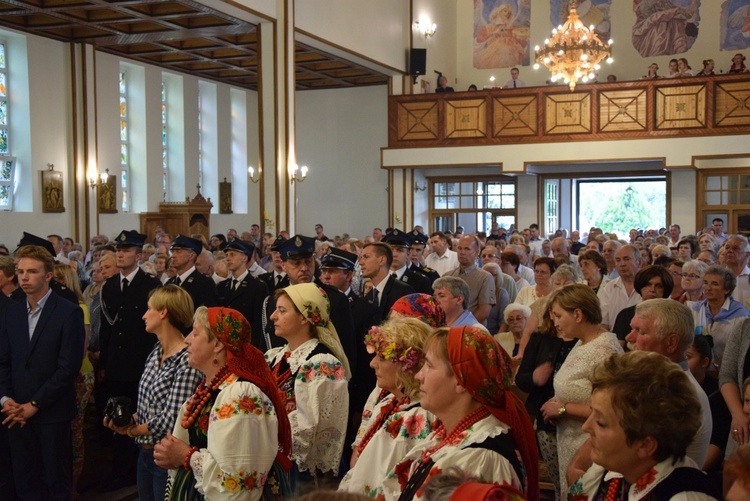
[[312, 372], [232, 437], [466, 382]]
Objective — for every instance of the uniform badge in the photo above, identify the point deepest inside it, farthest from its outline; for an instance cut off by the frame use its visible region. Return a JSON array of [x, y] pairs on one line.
[[298, 242]]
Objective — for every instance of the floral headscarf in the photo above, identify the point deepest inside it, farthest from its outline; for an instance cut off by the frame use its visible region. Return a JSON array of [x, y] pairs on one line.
[[314, 305], [247, 362], [422, 307], [485, 370]]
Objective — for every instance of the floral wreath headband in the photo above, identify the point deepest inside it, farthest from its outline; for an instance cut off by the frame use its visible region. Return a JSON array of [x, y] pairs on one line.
[[407, 357]]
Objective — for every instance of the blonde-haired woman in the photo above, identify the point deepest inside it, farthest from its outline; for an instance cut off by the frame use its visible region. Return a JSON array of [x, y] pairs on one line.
[[397, 423], [311, 371]]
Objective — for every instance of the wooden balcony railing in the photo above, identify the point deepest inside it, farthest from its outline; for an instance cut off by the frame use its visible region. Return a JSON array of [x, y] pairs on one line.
[[625, 110]]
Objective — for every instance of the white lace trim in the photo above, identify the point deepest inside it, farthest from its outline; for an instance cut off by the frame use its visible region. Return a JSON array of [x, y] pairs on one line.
[[196, 464]]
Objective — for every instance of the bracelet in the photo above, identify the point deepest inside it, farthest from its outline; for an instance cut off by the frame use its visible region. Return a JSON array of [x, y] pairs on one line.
[[190, 453]]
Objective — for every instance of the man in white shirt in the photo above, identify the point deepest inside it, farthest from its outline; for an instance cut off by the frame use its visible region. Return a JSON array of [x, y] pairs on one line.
[[514, 82], [562, 255], [735, 258], [535, 243], [620, 293], [442, 259]]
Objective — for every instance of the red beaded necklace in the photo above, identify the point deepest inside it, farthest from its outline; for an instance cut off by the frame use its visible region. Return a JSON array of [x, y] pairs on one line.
[[385, 412], [201, 397], [455, 436]]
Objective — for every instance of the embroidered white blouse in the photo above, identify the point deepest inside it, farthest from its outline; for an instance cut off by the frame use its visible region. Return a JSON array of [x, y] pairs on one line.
[[322, 407]]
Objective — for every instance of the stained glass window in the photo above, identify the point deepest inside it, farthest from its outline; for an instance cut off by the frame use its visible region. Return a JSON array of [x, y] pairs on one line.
[[164, 156], [124, 157], [200, 142], [6, 183], [4, 98]]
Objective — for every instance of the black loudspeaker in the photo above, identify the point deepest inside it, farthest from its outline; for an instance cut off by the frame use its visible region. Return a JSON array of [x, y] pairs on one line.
[[417, 62]]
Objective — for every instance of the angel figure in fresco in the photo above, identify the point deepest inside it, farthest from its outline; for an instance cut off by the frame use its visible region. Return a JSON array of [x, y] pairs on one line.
[[662, 27], [496, 44]]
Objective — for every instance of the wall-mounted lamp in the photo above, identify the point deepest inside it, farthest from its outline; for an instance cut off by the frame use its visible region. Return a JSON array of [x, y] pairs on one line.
[[251, 174], [93, 181], [425, 26], [419, 188], [297, 178], [267, 220]]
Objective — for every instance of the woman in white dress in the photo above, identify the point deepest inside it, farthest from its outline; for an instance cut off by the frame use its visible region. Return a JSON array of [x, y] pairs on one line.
[[576, 313], [466, 382], [312, 372], [397, 423]]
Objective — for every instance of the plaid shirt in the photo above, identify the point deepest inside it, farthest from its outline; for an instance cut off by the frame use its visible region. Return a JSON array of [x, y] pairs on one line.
[[162, 391]]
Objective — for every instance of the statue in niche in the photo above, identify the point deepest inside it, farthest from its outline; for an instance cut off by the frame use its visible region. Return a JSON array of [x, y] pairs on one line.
[[225, 197]]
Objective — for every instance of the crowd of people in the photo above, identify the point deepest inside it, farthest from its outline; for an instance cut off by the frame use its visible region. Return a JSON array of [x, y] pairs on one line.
[[402, 365], [678, 68]]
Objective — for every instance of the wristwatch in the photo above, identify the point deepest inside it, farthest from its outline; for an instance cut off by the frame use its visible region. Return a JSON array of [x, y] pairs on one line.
[[562, 410]]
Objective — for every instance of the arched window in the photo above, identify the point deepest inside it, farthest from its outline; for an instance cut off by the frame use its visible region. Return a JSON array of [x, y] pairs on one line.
[[124, 146]]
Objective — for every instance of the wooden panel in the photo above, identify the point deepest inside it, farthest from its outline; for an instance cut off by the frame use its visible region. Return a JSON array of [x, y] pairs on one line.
[[681, 107], [732, 104], [515, 116], [465, 118], [417, 120], [568, 113], [622, 110]]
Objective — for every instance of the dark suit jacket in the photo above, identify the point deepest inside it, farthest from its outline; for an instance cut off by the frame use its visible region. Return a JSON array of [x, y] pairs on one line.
[[341, 317], [270, 281], [248, 300], [394, 289], [366, 315], [201, 288], [431, 274], [43, 368], [420, 282], [125, 344]]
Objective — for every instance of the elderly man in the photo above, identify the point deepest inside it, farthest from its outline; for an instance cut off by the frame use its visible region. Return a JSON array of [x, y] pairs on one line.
[[205, 263], [491, 254], [575, 242], [666, 327], [608, 250], [202, 289], [524, 271], [442, 259], [620, 293], [735, 258], [562, 255], [481, 283], [452, 294]]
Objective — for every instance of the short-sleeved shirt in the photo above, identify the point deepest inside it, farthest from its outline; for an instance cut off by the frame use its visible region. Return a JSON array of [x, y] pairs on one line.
[[481, 285]]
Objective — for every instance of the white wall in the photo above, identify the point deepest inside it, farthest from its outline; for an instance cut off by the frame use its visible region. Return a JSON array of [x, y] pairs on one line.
[[378, 30], [441, 47], [339, 135]]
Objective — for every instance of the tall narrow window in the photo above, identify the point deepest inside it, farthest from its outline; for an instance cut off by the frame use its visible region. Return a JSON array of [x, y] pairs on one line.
[[124, 156], [551, 206], [7, 162], [200, 139], [164, 154]]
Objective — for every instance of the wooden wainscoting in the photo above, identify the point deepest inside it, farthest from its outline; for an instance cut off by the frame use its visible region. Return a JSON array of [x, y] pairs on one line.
[[685, 107]]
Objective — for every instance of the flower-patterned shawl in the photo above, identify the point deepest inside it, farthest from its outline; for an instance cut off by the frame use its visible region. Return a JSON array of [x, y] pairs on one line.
[[485, 370], [247, 362], [422, 307], [313, 303]]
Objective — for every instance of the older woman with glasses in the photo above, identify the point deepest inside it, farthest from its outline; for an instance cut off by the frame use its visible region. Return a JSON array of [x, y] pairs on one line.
[[719, 315], [692, 282], [398, 422], [465, 382]]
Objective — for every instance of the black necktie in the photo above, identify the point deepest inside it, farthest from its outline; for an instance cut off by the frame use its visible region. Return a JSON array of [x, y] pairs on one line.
[[394, 275], [375, 298], [514, 84], [234, 284], [279, 278], [125, 284], [177, 280]]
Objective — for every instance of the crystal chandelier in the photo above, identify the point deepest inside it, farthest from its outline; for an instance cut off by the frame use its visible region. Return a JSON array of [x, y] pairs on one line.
[[573, 52]]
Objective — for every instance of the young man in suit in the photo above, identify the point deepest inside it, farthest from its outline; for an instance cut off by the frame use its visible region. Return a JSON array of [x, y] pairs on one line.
[[185, 251], [375, 262], [400, 243], [41, 349], [241, 291], [276, 278], [125, 344]]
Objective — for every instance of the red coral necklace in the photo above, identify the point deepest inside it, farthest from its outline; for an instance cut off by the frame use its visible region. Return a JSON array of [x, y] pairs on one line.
[[455, 436], [202, 395]]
